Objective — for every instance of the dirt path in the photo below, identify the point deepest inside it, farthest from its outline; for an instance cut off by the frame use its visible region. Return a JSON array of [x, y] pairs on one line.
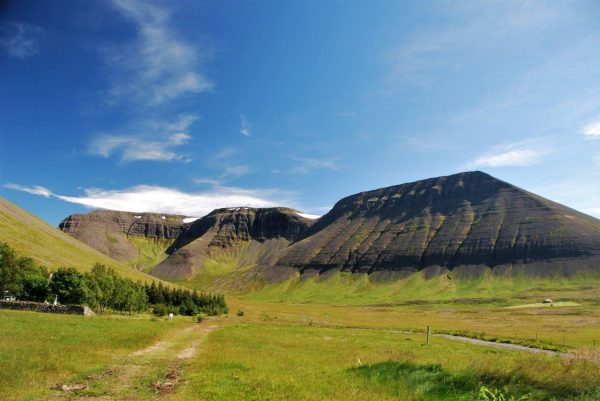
[[515, 347], [152, 373], [470, 340]]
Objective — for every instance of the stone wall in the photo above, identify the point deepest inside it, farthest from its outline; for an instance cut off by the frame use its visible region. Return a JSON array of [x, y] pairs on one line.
[[47, 308]]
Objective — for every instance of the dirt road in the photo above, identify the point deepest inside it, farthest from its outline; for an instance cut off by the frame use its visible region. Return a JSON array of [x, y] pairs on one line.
[[152, 373]]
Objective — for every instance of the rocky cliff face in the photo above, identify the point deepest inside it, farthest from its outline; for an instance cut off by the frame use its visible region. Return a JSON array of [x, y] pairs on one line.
[[468, 222], [114, 233], [226, 230]]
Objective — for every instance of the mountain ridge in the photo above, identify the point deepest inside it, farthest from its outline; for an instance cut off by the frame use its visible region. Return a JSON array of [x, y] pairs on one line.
[[469, 223]]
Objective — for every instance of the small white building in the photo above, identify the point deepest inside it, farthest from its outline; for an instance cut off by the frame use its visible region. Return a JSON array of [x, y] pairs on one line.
[[8, 296]]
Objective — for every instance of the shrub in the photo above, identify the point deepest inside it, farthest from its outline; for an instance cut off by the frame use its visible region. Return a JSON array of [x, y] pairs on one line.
[[160, 310], [240, 312]]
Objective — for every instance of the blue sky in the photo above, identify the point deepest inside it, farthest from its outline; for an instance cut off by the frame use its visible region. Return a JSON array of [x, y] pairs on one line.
[[182, 106]]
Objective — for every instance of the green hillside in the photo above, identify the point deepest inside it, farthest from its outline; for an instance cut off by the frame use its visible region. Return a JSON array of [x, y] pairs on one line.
[[31, 236]]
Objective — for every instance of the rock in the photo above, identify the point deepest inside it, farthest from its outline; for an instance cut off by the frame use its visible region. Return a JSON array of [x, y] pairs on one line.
[[267, 230], [110, 231]]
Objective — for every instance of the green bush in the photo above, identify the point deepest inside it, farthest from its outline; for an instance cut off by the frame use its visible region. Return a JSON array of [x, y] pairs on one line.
[[160, 309]]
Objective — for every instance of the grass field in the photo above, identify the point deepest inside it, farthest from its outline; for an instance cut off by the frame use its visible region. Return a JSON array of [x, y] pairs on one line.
[[39, 350], [282, 362], [286, 351]]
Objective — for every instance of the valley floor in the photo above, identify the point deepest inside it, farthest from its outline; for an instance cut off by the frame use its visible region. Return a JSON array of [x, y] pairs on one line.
[[282, 351]]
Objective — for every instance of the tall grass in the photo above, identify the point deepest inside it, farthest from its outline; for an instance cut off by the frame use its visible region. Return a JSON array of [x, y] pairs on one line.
[[38, 350]]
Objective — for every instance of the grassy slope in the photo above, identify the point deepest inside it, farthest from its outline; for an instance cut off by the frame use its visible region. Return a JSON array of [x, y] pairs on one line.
[[30, 236], [230, 272], [151, 252], [39, 350], [345, 288]]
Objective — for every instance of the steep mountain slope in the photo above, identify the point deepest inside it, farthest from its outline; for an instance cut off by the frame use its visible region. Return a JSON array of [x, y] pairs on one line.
[[230, 239], [30, 236], [468, 223], [136, 239], [464, 226]]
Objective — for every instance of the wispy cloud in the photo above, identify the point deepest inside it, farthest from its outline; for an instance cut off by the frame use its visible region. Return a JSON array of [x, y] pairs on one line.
[[245, 128], [34, 190], [475, 27], [207, 181], [158, 65], [235, 171], [519, 154], [304, 166], [156, 199], [592, 130], [19, 39], [153, 140]]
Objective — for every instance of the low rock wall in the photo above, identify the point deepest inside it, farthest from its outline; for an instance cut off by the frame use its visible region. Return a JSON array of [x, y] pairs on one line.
[[47, 308]]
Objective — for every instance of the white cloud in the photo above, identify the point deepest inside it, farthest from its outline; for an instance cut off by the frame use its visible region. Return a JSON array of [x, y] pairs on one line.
[[158, 65], [592, 211], [35, 190], [19, 39], [207, 181], [245, 129], [156, 199], [517, 154], [158, 141], [307, 165], [515, 157], [308, 216], [592, 130], [235, 171]]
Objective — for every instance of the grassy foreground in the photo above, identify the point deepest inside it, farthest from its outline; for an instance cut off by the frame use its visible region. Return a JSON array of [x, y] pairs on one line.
[[281, 362], [39, 350]]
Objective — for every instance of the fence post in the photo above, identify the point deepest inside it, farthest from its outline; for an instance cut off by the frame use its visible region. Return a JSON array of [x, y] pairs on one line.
[[428, 333]]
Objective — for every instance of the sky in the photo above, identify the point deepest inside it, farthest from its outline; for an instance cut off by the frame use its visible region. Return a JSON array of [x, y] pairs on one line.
[[186, 106]]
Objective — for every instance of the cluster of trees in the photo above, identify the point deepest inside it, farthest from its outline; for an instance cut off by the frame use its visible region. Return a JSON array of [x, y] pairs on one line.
[[185, 302], [102, 289]]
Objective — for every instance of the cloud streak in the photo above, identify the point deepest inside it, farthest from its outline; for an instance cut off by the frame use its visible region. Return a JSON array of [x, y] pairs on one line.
[[157, 199], [158, 141], [592, 130], [158, 65], [20, 40], [518, 154], [245, 129]]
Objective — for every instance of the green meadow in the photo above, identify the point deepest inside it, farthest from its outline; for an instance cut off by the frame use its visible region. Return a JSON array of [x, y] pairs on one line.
[[301, 351], [282, 362], [40, 350]]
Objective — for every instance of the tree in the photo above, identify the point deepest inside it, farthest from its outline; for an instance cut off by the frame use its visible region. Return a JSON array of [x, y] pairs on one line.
[[32, 281], [22, 276], [70, 286], [8, 269]]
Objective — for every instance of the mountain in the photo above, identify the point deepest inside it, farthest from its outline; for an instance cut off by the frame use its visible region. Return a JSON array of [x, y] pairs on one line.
[[468, 223], [137, 239], [31, 236], [242, 236], [465, 225]]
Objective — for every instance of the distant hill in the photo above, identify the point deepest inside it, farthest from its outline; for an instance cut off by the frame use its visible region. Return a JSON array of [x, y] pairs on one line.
[[31, 236], [138, 240]]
